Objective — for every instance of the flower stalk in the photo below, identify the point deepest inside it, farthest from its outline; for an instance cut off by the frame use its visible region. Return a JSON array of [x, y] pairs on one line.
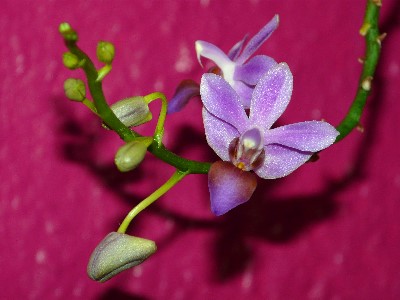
[[173, 180], [373, 39]]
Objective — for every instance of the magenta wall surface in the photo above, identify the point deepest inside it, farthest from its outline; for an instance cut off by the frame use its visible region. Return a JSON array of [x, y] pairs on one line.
[[331, 230]]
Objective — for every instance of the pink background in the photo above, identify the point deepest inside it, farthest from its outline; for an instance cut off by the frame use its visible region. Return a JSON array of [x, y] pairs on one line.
[[331, 230]]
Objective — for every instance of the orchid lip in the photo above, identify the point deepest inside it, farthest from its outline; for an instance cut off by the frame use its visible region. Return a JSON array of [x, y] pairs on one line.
[[229, 186]]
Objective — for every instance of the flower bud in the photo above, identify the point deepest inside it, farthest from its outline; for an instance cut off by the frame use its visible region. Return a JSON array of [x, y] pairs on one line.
[[105, 52], [75, 89], [68, 32], [132, 111], [130, 155], [71, 61], [116, 253]]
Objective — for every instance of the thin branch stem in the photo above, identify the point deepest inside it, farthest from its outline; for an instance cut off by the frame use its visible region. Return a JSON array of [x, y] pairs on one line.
[[89, 104], [174, 179], [159, 132]]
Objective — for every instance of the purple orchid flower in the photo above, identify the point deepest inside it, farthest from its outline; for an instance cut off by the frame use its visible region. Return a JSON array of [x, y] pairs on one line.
[[237, 69], [247, 143]]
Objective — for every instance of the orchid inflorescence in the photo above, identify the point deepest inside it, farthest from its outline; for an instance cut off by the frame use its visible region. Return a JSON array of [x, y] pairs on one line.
[[243, 96]]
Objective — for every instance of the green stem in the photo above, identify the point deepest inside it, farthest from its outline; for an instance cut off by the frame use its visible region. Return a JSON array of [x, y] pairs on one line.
[[174, 179], [370, 30], [108, 117]]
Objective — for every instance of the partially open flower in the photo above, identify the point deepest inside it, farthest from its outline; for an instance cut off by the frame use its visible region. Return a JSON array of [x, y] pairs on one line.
[[116, 253], [237, 67]]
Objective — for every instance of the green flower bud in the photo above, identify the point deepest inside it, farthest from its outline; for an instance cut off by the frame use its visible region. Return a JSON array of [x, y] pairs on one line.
[[132, 111], [68, 32], [105, 52], [116, 253], [130, 155], [71, 61], [75, 89]]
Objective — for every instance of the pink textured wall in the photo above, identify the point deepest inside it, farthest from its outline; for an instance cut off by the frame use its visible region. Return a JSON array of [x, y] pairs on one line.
[[331, 230]]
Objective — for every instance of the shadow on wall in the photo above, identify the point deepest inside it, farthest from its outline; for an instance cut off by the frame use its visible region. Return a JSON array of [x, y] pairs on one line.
[[267, 218], [114, 293]]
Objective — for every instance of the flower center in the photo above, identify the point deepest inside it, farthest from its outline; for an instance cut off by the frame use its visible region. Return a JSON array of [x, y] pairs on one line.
[[247, 151]]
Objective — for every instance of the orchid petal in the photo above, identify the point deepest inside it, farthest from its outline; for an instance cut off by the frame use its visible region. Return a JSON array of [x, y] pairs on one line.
[[271, 96], [254, 69], [237, 48], [221, 100], [258, 39], [305, 136], [229, 186], [219, 134], [244, 91], [186, 90], [280, 161], [215, 54]]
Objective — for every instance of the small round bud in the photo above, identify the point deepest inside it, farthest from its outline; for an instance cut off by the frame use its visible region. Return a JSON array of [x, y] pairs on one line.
[[105, 52], [68, 32], [116, 253], [71, 61], [132, 111], [130, 155], [75, 89]]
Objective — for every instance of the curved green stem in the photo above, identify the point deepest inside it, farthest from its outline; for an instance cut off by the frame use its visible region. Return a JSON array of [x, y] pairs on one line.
[[373, 38], [159, 132], [174, 179]]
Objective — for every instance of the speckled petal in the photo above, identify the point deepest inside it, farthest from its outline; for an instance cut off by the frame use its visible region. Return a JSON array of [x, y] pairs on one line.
[[219, 134], [186, 90], [244, 91], [221, 100], [305, 136], [254, 69], [271, 96], [280, 161], [229, 186], [257, 40]]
